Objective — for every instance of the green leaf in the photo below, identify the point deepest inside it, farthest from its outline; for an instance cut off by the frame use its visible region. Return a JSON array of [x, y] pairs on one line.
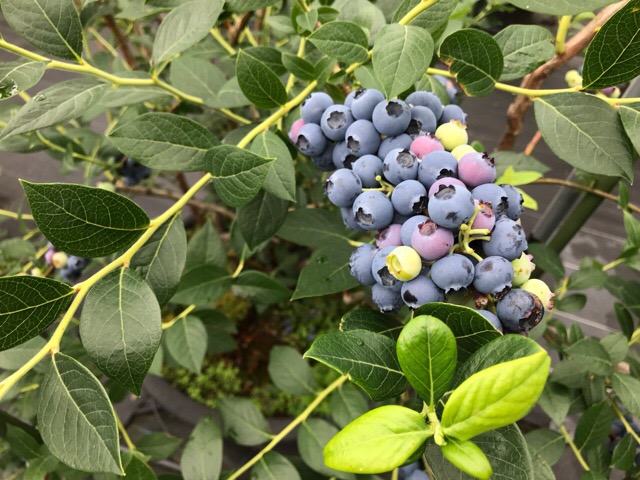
[[136, 467], [197, 76], [571, 303], [183, 27], [427, 354], [519, 162], [237, 174], [53, 26], [630, 117], [468, 457], [231, 96], [290, 372], [616, 346], [548, 260], [18, 76], [76, 419], [186, 342], [242, 421], [260, 219], [85, 221], [219, 330], [632, 227], [401, 55], [524, 48], [585, 132], [344, 41], [202, 455], [202, 285], [347, 404], [281, 179], [273, 466], [331, 264], [258, 82], [495, 397], [366, 77], [14, 358], [313, 227], [165, 141], [249, 5], [307, 20], [28, 305], [475, 59], [593, 426], [369, 359], [470, 328], [624, 319], [591, 277], [313, 436], [378, 441], [298, 67], [433, 19], [611, 58], [624, 453], [545, 445], [206, 248], [555, 401], [57, 104], [270, 56], [570, 373], [592, 354], [626, 291], [372, 320], [560, 7], [22, 444], [627, 389], [121, 327], [260, 288], [158, 446]]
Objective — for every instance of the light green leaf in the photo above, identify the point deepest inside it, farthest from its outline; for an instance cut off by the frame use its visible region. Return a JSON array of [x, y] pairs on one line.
[[18, 76], [628, 390], [202, 285], [344, 41], [186, 342], [347, 404], [242, 421], [313, 227], [290, 372], [15, 357], [555, 401], [524, 48], [28, 305], [546, 447], [197, 76], [430, 83], [231, 96], [202, 455], [85, 221], [590, 353], [260, 288], [434, 19], [76, 419], [514, 178], [273, 466], [586, 132], [281, 179], [561, 7], [624, 454], [258, 82], [261, 218], [313, 436], [158, 445], [378, 441], [183, 27], [206, 248], [468, 457], [401, 55], [616, 345], [593, 426], [372, 320], [249, 5], [165, 141]]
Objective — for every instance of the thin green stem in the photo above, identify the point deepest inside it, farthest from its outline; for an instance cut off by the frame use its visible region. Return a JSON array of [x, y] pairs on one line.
[[14, 215], [613, 264], [576, 452], [215, 33], [182, 314], [624, 421], [417, 10], [240, 267], [561, 36], [48, 143], [125, 435]]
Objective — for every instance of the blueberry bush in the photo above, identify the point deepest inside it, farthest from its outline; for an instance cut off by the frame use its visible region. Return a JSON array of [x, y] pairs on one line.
[[306, 149]]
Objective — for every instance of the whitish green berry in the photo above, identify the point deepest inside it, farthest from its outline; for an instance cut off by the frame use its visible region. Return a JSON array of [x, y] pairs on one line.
[[522, 268], [540, 290], [404, 263], [452, 134]]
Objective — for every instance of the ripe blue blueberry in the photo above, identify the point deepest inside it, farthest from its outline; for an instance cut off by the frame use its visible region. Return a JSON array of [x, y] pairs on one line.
[[399, 218], [342, 157], [364, 101], [410, 226], [426, 99], [493, 275], [349, 99], [324, 161], [507, 240], [349, 219], [493, 320], [335, 121], [77, 263], [314, 106], [519, 310], [400, 165], [362, 138], [514, 200], [422, 121], [361, 262], [476, 168], [311, 141], [133, 172], [343, 187], [418, 475], [402, 141], [452, 272], [386, 299], [372, 210], [381, 272], [392, 117], [409, 197], [453, 112], [420, 291], [493, 194], [368, 167], [451, 206], [445, 181], [436, 165]]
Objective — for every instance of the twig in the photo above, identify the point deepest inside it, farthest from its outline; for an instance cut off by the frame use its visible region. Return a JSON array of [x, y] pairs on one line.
[[238, 27], [123, 44], [532, 143]]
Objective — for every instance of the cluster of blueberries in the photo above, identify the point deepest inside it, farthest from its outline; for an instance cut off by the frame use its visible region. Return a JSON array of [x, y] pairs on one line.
[[405, 170], [618, 431], [69, 266], [133, 172]]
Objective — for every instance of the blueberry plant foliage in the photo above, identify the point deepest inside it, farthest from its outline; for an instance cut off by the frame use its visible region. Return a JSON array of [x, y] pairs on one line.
[[232, 111]]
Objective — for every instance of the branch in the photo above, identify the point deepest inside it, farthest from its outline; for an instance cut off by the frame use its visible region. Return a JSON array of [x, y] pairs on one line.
[[236, 30], [123, 44], [184, 186]]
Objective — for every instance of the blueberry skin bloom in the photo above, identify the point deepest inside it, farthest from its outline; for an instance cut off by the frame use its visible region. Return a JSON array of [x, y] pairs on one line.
[[514, 201], [444, 181], [400, 165], [426, 99], [409, 197], [343, 187], [372, 210], [364, 102], [335, 121], [507, 240], [493, 275], [389, 237], [450, 207], [386, 299], [368, 167], [431, 241], [401, 141], [476, 168], [422, 121], [493, 194], [362, 138], [436, 165], [311, 141], [519, 310], [495, 321], [361, 262], [342, 157], [420, 291], [453, 112], [391, 118], [381, 272], [452, 272], [314, 106], [411, 226]]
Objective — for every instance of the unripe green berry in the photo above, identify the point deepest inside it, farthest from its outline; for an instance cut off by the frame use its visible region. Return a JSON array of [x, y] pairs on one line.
[[36, 272], [106, 186], [59, 260], [461, 150], [404, 263], [573, 78], [540, 290], [522, 268], [452, 135]]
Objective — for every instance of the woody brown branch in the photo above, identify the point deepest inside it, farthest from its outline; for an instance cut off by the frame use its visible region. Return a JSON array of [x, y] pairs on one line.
[[123, 44]]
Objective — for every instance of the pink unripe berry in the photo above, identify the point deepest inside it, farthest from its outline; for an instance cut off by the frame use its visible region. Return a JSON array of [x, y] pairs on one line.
[[431, 241], [476, 169], [485, 217], [425, 144], [445, 181], [48, 256], [389, 237], [295, 129]]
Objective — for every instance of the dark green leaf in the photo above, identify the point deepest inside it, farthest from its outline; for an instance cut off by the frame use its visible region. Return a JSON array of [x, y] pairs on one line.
[[571, 303], [299, 67], [290, 372], [219, 331], [344, 41], [524, 48], [16, 357], [545, 445], [158, 445], [560, 7], [570, 373], [136, 467], [22, 444], [313, 227], [628, 390], [475, 59], [202, 285], [202, 456], [258, 82], [272, 466], [347, 404], [555, 401], [206, 248], [313, 436], [281, 179], [261, 218], [632, 227], [18, 76], [242, 421], [76, 419], [260, 288], [593, 426], [186, 342], [28, 305], [270, 56], [630, 116], [548, 260], [624, 319], [624, 453], [626, 291], [616, 346], [197, 76], [372, 320]]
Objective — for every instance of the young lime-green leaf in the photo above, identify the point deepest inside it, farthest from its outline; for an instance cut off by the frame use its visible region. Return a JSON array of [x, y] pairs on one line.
[[261, 218], [28, 305], [186, 342], [165, 141], [628, 390], [202, 455], [401, 55], [378, 441], [524, 48], [495, 397], [468, 457], [242, 422], [85, 221], [427, 353], [237, 174], [512, 177], [76, 419], [281, 179], [344, 41], [594, 425], [313, 436], [372, 320], [273, 466], [586, 132], [53, 26], [475, 59], [346, 404], [290, 372], [121, 327], [369, 358], [18, 76], [259, 83]]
